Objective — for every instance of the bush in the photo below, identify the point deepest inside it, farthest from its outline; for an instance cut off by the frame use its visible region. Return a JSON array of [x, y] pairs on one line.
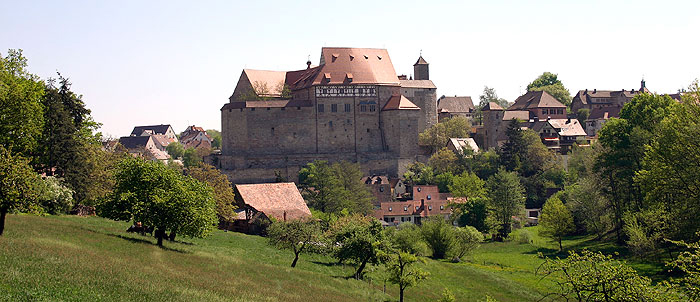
[[438, 234], [407, 238], [53, 196]]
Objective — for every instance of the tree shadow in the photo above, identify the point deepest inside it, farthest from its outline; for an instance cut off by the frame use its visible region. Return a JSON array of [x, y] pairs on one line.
[[144, 241], [329, 264]]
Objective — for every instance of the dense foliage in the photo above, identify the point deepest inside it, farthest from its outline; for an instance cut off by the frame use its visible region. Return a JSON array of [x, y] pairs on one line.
[[335, 188]]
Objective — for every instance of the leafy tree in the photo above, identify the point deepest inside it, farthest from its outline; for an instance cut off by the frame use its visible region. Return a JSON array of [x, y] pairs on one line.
[[590, 276], [175, 150], [53, 196], [215, 138], [582, 115], [335, 188], [466, 240], [17, 181], [511, 152], [551, 84], [419, 174], [472, 211], [687, 262], [488, 95], [443, 161], [295, 235], [444, 180], [437, 136], [190, 158], [646, 230], [223, 191], [591, 210], [21, 109], [447, 296], [403, 271], [360, 240], [407, 238], [151, 193], [437, 233], [556, 220], [505, 199]]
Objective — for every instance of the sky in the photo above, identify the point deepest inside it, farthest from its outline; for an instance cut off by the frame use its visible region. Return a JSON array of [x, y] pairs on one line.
[[177, 62]]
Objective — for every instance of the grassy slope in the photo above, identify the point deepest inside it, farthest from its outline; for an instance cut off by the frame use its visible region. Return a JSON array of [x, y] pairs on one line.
[[87, 259]]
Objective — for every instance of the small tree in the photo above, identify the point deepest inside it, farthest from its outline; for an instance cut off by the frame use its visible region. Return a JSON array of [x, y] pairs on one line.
[[556, 220], [437, 233], [466, 240], [175, 150], [223, 192], [359, 239], [407, 238], [17, 181], [295, 235], [505, 199], [443, 161], [403, 271], [151, 193], [437, 136]]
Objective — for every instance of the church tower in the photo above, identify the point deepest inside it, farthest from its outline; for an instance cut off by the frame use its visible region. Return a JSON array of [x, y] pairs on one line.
[[420, 69]]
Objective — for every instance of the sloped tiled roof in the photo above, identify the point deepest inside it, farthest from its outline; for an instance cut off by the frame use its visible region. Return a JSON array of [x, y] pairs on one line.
[[273, 80], [367, 65], [492, 106], [162, 140], [536, 99], [134, 142], [516, 114], [420, 61], [400, 102], [455, 104], [604, 113], [157, 129], [417, 84], [277, 200], [460, 143], [567, 127]]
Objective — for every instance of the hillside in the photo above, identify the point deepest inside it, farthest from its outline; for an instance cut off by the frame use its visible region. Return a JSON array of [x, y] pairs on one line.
[[86, 259]]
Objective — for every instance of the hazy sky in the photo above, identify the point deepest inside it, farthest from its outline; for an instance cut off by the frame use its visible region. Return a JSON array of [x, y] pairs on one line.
[[177, 62]]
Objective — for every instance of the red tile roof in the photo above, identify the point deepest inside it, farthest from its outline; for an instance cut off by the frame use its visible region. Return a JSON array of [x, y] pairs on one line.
[[536, 99], [399, 102], [277, 200], [367, 65]]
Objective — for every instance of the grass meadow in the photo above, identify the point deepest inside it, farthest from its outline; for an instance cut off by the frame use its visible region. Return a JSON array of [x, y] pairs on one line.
[[68, 258]]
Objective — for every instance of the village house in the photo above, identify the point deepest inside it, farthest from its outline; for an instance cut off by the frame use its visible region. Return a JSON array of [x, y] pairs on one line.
[[598, 117], [559, 134], [165, 130], [380, 186], [259, 203], [143, 146], [459, 145], [426, 202], [594, 99], [453, 106], [195, 137]]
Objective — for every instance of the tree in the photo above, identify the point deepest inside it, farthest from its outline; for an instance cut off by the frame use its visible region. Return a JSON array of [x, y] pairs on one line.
[[53, 196], [334, 188], [419, 174], [437, 233], [687, 262], [444, 181], [556, 220], [437, 136], [511, 152], [295, 235], [21, 109], [407, 238], [472, 211], [505, 199], [151, 193], [590, 208], [175, 150], [466, 240], [190, 158], [223, 191], [215, 138], [551, 84], [17, 181], [590, 276], [360, 240], [403, 271], [443, 161], [582, 115]]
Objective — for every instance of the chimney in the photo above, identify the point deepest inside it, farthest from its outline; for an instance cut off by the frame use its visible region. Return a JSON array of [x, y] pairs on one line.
[[308, 64], [594, 90], [568, 120], [644, 85], [585, 91]]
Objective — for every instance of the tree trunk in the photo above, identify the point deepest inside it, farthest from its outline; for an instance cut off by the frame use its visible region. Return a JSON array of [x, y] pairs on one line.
[[358, 274], [400, 294], [172, 236], [159, 235], [3, 213], [296, 257], [560, 247]]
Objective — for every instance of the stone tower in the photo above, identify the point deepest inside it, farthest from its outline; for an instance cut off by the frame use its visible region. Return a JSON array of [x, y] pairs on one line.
[[420, 69]]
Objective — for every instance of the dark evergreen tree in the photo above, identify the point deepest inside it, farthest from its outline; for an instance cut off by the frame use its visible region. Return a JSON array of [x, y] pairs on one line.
[[511, 152]]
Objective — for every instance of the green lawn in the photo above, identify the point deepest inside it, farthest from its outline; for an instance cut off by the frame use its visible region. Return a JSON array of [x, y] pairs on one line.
[[59, 258]]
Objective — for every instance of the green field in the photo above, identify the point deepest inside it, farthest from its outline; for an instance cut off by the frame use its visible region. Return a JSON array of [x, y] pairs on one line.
[[67, 258]]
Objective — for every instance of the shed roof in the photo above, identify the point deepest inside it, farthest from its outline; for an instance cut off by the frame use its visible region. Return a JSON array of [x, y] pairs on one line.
[[277, 200]]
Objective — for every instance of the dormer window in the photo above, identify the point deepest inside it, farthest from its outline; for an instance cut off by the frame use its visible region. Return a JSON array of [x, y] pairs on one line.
[[419, 189], [389, 209], [352, 57], [379, 57], [428, 196], [348, 77], [405, 209], [334, 57]]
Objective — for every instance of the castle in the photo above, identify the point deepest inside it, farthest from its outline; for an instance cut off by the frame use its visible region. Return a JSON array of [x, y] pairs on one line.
[[352, 107]]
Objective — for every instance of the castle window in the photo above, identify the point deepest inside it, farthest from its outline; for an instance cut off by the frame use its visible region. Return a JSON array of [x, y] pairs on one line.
[[229, 110], [298, 108], [268, 108], [272, 131], [330, 124], [320, 107], [241, 109], [334, 107], [282, 108], [347, 107], [428, 196], [367, 130], [252, 109], [363, 108], [372, 108]]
